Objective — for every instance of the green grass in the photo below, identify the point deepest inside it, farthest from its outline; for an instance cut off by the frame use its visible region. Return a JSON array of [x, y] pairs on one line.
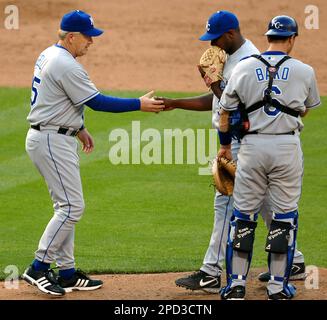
[[138, 218]]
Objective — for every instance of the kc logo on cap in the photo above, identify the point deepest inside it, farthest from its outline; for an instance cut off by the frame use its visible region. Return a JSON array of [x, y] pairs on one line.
[[79, 21], [219, 23], [277, 24]]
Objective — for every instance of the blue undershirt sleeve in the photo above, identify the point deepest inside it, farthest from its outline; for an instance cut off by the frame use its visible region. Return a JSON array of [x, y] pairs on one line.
[[225, 138], [113, 104]]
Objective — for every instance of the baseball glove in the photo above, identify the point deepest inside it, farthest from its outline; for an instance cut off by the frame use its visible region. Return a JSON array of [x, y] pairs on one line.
[[212, 64], [223, 171]]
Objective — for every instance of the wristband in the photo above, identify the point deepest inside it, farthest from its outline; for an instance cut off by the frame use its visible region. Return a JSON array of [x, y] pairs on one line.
[[225, 138]]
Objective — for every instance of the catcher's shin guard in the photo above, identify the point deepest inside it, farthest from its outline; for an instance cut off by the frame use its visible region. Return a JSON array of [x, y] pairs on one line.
[[281, 240], [240, 239]]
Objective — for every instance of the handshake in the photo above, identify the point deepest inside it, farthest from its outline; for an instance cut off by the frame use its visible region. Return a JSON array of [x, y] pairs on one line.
[[211, 68], [149, 103]]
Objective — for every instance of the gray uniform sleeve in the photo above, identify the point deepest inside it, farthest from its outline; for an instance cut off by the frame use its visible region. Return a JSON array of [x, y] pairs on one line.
[[229, 100], [313, 99], [78, 86]]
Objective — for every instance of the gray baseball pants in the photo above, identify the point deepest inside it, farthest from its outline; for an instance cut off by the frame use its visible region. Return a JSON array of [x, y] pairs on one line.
[[214, 259], [56, 158], [267, 164]]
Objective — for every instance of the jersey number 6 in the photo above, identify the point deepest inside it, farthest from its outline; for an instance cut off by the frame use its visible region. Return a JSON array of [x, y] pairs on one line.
[[270, 110], [35, 83]]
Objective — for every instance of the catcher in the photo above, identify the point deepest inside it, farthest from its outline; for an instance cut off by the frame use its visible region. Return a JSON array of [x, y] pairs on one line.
[[223, 32], [270, 156]]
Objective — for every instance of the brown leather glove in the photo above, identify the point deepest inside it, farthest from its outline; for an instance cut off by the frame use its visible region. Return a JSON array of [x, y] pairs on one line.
[[212, 64], [223, 171]]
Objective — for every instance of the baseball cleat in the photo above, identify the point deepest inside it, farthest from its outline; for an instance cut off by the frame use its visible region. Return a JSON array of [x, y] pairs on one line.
[[44, 280], [79, 282], [286, 294], [279, 296], [200, 281], [234, 293], [297, 273]]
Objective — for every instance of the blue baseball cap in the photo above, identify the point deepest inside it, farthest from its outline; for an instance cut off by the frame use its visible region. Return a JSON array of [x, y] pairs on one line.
[[219, 23], [282, 26], [79, 21]]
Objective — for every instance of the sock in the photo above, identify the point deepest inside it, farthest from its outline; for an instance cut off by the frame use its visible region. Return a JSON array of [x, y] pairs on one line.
[[67, 274], [40, 266]]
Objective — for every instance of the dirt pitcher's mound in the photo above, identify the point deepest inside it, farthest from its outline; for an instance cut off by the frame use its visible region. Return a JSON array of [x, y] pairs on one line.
[[152, 44], [162, 287]]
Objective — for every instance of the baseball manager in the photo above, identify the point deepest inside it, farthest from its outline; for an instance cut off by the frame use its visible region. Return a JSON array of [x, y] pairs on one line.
[[60, 89]]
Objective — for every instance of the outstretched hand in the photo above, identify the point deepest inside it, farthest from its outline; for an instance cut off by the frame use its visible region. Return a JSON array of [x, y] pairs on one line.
[[149, 104], [167, 102], [86, 140]]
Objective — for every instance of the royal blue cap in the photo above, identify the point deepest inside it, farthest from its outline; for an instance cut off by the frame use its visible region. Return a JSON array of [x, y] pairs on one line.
[[79, 21], [219, 23]]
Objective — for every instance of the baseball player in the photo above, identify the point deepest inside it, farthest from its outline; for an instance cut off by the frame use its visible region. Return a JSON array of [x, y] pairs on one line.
[[275, 91], [222, 30], [60, 89]]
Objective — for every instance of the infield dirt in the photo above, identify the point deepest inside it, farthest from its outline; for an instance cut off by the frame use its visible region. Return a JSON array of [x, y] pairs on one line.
[[150, 44], [161, 286]]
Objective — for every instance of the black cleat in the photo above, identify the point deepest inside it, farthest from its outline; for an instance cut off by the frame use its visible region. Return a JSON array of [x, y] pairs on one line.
[[297, 273], [234, 293], [79, 282], [282, 295], [200, 281], [45, 280]]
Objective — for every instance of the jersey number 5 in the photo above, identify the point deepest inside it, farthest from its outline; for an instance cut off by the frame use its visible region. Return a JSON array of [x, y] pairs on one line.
[[269, 110], [35, 83]]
